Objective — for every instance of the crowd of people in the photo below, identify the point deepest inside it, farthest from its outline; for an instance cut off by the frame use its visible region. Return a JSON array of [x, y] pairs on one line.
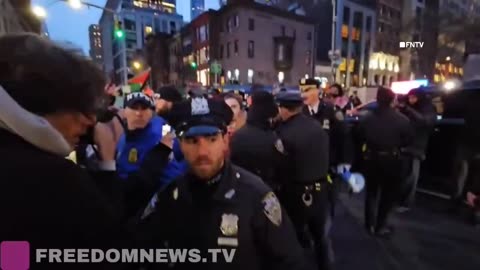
[[260, 174]]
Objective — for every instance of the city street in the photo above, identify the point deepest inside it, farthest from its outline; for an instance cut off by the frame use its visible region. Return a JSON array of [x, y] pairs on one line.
[[425, 238]]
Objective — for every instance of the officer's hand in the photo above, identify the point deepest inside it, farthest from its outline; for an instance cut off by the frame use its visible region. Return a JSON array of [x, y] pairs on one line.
[[168, 139], [105, 141], [471, 198]]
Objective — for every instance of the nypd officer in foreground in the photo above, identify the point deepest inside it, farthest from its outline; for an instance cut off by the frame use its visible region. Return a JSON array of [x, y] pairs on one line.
[[384, 134], [217, 205], [304, 191]]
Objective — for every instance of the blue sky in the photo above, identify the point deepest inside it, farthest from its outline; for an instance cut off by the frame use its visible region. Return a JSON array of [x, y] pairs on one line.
[[65, 24]]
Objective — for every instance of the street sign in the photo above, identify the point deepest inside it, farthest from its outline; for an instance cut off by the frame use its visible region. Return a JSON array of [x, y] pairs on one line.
[[216, 68]]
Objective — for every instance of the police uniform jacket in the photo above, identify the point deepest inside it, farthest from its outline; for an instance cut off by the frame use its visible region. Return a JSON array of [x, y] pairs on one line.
[[341, 145], [256, 148], [306, 144], [236, 211], [386, 129]]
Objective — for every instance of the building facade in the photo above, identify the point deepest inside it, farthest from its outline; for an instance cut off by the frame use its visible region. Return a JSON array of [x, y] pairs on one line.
[[384, 63], [16, 16], [353, 36], [95, 35], [449, 61], [197, 7], [262, 44], [138, 19]]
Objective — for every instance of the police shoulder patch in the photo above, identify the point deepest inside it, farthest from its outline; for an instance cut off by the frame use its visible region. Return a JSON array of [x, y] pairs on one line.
[[272, 208], [279, 146]]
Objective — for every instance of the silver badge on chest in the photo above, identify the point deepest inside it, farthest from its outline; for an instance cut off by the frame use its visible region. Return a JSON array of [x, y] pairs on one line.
[[229, 225]]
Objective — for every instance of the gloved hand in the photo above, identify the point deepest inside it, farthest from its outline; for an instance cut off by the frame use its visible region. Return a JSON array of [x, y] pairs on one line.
[[343, 168]]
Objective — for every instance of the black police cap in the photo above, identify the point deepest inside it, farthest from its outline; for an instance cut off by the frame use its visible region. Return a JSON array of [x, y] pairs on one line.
[[200, 116], [138, 98], [289, 98]]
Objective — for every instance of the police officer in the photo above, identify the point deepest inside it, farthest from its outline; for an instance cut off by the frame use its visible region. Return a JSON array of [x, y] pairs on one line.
[[383, 133], [219, 205], [256, 146], [304, 185], [144, 132]]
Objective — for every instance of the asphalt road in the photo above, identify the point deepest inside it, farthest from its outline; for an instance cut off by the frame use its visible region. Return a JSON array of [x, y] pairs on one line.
[[426, 238]]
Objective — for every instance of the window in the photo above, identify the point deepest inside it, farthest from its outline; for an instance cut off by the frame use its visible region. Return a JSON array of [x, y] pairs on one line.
[[202, 33], [346, 15], [235, 47], [251, 49], [129, 24], [309, 36], [228, 49], [229, 25], [236, 22], [148, 30], [283, 30], [221, 51], [251, 24]]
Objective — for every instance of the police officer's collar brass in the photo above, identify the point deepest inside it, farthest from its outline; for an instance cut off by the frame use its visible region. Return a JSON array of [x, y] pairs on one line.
[[229, 225]]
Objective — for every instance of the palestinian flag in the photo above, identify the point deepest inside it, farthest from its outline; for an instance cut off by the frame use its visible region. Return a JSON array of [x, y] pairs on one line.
[[139, 82]]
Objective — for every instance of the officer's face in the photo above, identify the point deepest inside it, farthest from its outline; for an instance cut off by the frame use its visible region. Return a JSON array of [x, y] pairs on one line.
[[234, 105], [205, 154], [71, 125], [138, 116], [310, 95]]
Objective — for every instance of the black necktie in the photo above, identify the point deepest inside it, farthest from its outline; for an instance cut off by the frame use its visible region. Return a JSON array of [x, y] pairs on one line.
[[312, 112]]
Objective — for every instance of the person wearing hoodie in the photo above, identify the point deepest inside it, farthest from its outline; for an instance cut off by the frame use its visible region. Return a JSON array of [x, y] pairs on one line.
[[47, 200], [383, 133], [255, 147], [421, 113], [144, 132]]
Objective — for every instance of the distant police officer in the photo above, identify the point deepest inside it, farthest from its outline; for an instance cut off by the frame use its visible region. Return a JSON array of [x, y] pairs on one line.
[[332, 121], [255, 146], [217, 205], [144, 132], [304, 187], [384, 133]]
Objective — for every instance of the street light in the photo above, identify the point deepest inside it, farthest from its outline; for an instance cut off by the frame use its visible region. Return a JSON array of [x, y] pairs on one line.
[[448, 58], [39, 12], [137, 65], [75, 4]]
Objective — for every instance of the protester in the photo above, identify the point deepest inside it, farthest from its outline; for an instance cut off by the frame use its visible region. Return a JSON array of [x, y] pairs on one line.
[[45, 108], [235, 102]]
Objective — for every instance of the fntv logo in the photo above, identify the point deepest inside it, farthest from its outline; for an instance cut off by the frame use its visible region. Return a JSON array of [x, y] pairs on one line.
[[14, 255], [416, 44]]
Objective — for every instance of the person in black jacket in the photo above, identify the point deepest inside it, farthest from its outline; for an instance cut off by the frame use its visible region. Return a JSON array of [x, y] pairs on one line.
[[383, 133], [255, 146], [304, 176], [45, 107], [218, 205], [421, 113]]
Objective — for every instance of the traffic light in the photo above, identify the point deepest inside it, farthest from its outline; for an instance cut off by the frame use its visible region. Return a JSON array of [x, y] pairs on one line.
[[118, 30], [193, 65]]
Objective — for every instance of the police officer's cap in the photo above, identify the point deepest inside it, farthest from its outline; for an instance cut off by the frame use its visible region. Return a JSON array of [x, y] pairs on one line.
[[307, 84], [289, 98], [201, 117], [135, 98]]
